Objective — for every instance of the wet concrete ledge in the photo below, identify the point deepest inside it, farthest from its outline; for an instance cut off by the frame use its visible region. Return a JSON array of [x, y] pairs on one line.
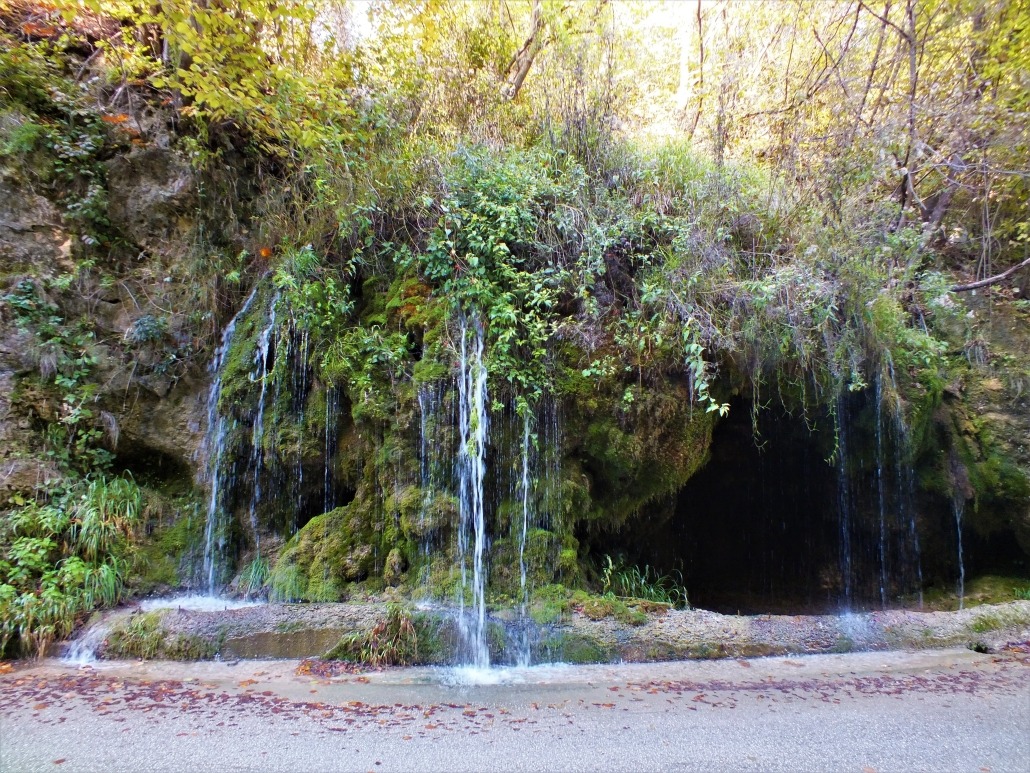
[[311, 630]]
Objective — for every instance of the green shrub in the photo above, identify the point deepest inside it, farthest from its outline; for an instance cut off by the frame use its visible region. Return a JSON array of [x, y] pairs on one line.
[[64, 558], [393, 641]]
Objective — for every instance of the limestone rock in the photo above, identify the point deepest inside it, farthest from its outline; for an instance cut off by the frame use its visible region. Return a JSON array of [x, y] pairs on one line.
[[173, 426], [31, 234], [25, 475], [152, 192]]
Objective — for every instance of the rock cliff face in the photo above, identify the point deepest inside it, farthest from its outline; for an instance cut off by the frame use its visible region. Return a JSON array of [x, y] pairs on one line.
[[129, 304], [149, 409]]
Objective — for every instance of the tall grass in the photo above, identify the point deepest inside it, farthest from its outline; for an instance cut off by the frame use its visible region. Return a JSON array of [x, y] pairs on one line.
[[619, 579], [63, 558]]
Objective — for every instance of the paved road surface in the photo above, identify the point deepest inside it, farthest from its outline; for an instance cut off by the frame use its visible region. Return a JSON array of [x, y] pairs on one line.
[[938, 711]]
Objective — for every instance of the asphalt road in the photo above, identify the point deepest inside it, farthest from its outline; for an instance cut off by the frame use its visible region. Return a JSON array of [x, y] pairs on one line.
[[936, 711]]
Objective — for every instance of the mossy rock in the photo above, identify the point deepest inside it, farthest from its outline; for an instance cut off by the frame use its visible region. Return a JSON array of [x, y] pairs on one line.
[[422, 514], [162, 561], [630, 455], [332, 549], [575, 648], [144, 636]]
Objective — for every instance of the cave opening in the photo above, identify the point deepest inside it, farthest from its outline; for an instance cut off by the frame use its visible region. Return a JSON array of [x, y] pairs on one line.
[[757, 528], [810, 514]]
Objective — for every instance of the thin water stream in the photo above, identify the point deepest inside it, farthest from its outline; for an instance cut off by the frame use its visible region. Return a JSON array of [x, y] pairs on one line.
[[216, 524], [472, 538]]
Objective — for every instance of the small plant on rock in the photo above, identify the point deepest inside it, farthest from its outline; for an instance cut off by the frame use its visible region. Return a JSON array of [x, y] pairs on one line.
[[624, 581], [392, 641]]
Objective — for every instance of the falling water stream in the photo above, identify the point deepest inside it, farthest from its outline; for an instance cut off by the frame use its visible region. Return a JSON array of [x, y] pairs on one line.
[[881, 492], [523, 656], [454, 444], [217, 427], [473, 423], [959, 505], [845, 512], [262, 358]]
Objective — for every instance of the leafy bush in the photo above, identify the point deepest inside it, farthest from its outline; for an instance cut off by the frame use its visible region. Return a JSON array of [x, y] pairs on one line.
[[63, 558], [147, 329]]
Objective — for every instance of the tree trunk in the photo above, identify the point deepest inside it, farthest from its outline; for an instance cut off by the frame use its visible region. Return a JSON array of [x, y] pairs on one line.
[[523, 60]]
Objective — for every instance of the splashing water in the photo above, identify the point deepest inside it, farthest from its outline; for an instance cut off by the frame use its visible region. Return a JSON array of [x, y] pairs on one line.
[[196, 603], [217, 427], [83, 651]]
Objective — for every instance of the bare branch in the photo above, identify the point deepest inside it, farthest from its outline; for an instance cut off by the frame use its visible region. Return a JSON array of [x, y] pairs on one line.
[[991, 280]]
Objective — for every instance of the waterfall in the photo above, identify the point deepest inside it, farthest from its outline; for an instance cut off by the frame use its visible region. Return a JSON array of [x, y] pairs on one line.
[[83, 651], [262, 356], [473, 424], [904, 482], [958, 506], [217, 427], [881, 492], [434, 444], [524, 490], [845, 514], [332, 418], [906, 495], [898, 533], [300, 391]]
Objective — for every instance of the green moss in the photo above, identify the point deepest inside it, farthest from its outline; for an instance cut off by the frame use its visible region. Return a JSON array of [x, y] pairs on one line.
[[578, 649], [985, 622], [161, 559], [138, 636], [237, 390], [631, 455], [549, 604], [332, 550], [600, 607], [437, 638], [144, 636]]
